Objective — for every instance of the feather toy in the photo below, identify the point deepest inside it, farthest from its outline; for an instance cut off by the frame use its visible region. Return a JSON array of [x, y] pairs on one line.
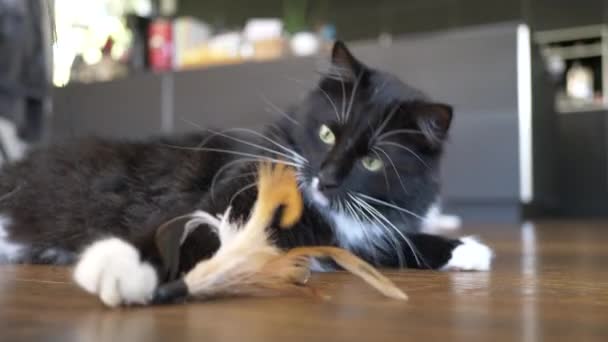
[[249, 264]]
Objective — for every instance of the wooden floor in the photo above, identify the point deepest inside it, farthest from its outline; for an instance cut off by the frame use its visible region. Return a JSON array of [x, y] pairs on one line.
[[550, 282]]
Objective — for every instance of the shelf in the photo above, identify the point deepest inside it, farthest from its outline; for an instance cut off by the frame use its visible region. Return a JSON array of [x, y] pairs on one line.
[[582, 108], [575, 52], [570, 34]]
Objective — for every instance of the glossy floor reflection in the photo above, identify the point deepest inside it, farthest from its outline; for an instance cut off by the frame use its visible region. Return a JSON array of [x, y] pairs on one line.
[[550, 282]]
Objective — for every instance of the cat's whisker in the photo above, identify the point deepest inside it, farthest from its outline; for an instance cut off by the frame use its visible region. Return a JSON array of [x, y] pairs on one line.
[[194, 124], [237, 153], [385, 122], [389, 235], [279, 111], [390, 205], [377, 90], [301, 178], [390, 232], [333, 104], [223, 169], [352, 96], [243, 189], [246, 174], [391, 133], [251, 158], [191, 123], [401, 146], [335, 73], [297, 159], [390, 160], [386, 182], [342, 118], [355, 215], [272, 141], [383, 218], [360, 199]]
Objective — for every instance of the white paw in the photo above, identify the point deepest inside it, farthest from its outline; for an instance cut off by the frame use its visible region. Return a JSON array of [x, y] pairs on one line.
[[113, 270], [471, 255]]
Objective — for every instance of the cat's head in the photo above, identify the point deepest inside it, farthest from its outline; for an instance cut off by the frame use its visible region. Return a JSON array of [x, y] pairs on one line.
[[368, 138]]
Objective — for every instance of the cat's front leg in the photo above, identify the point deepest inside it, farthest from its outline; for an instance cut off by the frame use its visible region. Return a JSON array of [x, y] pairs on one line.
[[125, 272], [438, 252], [113, 270]]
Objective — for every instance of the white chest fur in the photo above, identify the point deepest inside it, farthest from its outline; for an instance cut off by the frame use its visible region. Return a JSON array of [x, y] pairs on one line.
[[352, 233]]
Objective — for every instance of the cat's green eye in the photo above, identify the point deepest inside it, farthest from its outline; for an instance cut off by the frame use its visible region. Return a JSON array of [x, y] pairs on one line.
[[326, 135], [372, 163]]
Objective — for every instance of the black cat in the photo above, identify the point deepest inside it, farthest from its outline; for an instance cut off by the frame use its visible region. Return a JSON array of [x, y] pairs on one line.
[[365, 145]]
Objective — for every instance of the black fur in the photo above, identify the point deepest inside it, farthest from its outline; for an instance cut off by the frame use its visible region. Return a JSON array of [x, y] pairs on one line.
[[65, 197]]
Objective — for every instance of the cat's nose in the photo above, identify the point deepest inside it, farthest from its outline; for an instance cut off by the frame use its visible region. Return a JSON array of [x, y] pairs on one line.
[[327, 180]]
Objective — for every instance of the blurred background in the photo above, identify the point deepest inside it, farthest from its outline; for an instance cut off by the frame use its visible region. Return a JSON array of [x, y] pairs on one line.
[[528, 80]]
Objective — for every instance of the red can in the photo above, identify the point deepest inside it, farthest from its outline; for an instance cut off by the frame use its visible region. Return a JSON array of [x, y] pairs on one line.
[[160, 43]]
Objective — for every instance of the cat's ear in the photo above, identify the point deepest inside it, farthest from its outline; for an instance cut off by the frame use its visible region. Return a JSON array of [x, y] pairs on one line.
[[344, 62], [433, 119]]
